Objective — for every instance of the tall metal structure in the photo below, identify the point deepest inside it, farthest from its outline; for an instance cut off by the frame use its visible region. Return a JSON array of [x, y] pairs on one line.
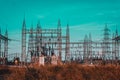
[[115, 45], [3, 47], [59, 30], [0, 45], [23, 56], [4, 38], [6, 44], [90, 47], [87, 48], [85, 45], [44, 41], [106, 44], [67, 44], [37, 41]]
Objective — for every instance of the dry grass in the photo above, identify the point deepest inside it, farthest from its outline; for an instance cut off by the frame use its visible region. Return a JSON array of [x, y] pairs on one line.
[[61, 72]]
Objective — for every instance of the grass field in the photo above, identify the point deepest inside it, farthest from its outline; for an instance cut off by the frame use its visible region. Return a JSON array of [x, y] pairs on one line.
[[61, 72]]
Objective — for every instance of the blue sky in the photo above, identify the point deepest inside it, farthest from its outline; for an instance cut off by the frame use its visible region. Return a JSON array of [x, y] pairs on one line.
[[83, 16]]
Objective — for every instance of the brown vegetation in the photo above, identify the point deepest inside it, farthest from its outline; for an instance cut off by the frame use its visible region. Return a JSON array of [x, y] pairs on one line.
[[61, 72]]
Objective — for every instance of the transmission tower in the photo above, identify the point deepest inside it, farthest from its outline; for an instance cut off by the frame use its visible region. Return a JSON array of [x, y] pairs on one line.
[[59, 31], [67, 44], [0, 44], [23, 56], [3, 47], [116, 46], [106, 44], [90, 47], [6, 44], [86, 46]]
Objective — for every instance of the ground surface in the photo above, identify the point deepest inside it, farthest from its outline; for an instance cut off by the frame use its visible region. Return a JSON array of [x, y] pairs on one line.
[[61, 72]]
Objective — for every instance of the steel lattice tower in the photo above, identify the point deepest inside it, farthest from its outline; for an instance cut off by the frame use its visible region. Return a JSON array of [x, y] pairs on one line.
[[113, 47], [90, 46], [67, 44], [59, 30], [31, 43], [23, 56], [0, 44], [6, 45], [5, 39], [116, 46], [106, 43], [85, 49]]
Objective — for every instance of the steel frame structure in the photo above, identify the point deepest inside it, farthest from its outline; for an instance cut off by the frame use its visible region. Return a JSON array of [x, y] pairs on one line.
[[48, 41], [44, 41]]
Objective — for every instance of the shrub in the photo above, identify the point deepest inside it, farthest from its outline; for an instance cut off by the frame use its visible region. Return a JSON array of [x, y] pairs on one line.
[[61, 72]]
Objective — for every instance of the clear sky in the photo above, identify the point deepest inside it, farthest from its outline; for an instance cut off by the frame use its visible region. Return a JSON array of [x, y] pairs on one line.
[[83, 16]]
